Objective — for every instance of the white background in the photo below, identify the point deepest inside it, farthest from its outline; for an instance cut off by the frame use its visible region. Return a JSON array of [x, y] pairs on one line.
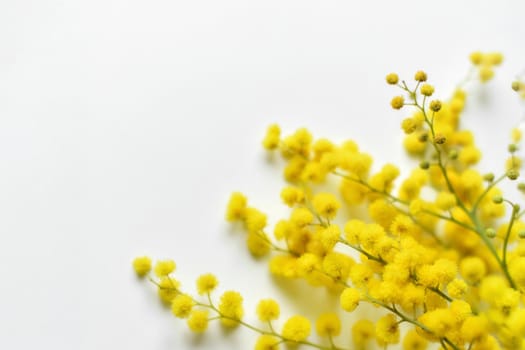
[[125, 124]]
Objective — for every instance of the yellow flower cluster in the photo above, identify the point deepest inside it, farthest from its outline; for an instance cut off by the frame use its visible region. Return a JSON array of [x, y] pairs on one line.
[[485, 63], [254, 222], [441, 250]]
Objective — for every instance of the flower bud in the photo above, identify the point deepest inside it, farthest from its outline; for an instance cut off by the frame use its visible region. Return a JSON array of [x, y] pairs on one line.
[[435, 105], [426, 90], [440, 139], [392, 78], [513, 174], [423, 137], [420, 76], [497, 199], [488, 177], [397, 102], [490, 232]]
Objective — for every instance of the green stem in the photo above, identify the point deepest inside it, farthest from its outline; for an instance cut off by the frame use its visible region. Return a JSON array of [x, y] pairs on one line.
[[489, 187], [493, 251], [270, 243], [362, 251], [506, 241], [311, 208], [440, 293], [451, 219], [373, 189]]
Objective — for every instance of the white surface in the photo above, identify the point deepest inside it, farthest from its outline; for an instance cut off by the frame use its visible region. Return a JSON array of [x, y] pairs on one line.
[[124, 126]]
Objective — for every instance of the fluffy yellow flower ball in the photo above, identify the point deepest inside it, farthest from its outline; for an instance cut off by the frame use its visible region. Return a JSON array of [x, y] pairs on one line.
[[230, 307], [267, 342], [182, 305], [387, 330], [268, 310], [236, 208], [164, 267], [296, 328], [272, 138], [292, 195], [330, 236], [167, 289], [474, 328], [326, 205], [362, 332], [413, 341], [349, 299], [457, 288], [254, 220], [328, 324], [472, 269], [426, 90], [142, 265], [409, 125], [257, 243], [420, 76], [301, 217], [198, 321], [206, 283], [397, 102], [392, 78]]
